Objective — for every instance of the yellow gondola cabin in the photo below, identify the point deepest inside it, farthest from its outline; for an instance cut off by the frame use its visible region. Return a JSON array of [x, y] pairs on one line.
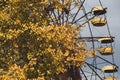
[[110, 78], [109, 69], [99, 10], [99, 21], [106, 40], [106, 51]]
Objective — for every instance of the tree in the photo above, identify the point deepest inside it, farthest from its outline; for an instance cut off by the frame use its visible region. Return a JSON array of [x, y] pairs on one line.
[[35, 43]]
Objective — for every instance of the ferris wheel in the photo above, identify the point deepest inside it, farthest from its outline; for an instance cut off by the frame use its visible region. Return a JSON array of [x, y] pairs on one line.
[[101, 64]]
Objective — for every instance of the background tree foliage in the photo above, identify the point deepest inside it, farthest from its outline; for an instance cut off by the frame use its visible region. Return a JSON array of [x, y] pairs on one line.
[[32, 44]]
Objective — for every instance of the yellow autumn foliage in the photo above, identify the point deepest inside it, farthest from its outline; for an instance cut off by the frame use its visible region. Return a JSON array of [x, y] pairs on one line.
[[31, 46]]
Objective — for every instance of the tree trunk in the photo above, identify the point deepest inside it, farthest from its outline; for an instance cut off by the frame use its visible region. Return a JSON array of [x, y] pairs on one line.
[[73, 72], [77, 73]]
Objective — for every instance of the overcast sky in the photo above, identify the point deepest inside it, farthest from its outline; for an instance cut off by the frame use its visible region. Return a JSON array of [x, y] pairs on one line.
[[113, 18]]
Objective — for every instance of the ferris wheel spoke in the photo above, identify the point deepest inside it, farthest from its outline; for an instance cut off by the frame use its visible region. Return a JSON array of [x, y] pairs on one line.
[[94, 71], [107, 61], [83, 74], [78, 10]]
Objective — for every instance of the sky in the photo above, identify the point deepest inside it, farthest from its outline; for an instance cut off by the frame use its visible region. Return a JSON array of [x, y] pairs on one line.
[[114, 22], [113, 19]]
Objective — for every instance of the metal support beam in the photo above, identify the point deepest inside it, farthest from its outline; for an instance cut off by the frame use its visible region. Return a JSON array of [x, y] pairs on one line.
[[94, 71], [107, 61], [93, 66], [83, 74], [89, 39]]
